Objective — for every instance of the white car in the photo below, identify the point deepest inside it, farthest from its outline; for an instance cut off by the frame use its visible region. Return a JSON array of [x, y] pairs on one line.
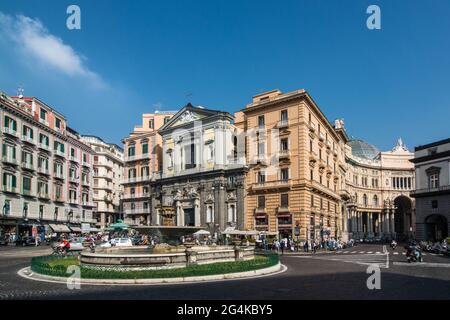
[[105, 245], [76, 246], [122, 242]]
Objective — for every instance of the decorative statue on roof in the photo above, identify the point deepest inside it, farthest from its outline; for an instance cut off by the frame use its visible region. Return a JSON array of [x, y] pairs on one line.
[[339, 123], [400, 146]]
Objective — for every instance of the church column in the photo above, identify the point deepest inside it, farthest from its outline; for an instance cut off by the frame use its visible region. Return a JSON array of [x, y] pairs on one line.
[[392, 221]]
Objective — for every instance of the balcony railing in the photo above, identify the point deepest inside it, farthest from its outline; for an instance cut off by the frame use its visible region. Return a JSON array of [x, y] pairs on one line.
[[43, 170], [284, 154], [85, 183], [136, 195], [73, 201], [85, 163], [28, 139], [9, 159], [283, 123], [28, 193], [60, 153], [137, 157], [321, 136], [88, 204], [272, 184], [431, 190], [44, 146], [58, 175], [8, 188], [74, 159], [27, 165], [137, 211], [43, 121], [136, 179], [312, 127], [73, 179], [10, 131], [43, 195]]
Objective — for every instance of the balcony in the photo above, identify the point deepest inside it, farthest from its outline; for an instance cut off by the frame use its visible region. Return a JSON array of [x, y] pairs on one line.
[[43, 195], [137, 179], [73, 159], [321, 137], [44, 146], [85, 163], [28, 166], [10, 131], [43, 171], [137, 211], [44, 122], [137, 157], [425, 192], [85, 183], [87, 204], [283, 124], [58, 175], [60, 153], [27, 193], [284, 154], [312, 127], [328, 144], [9, 159], [136, 195], [58, 199], [73, 201], [73, 180], [28, 139], [11, 189], [272, 185]]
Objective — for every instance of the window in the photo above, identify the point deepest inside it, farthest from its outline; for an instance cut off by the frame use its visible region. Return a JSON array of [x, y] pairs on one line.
[[166, 119], [145, 171], [232, 213], [131, 151], [7, 207], [9, 181], [261, 177], [41, 211], [261, 121], [151, 123], [43, 114], [434, 204], [375, 201], [145, 148], [9, 151], [43, 139], [72, 152], [57, 123], [310, 146], [10, 123], [284, 174], [261, 202], [284, 200], [209, 214], [84, 157], [27, 132], [311, 172], [284, 144], [433, 180], [284, 116], [365, 200], [26, 185], [312, 200]]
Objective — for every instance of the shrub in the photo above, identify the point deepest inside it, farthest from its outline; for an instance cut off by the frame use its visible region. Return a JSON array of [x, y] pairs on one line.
[[57, 266]]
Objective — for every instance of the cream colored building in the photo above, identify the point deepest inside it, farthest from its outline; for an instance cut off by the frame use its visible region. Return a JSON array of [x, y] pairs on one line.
[[108, 175], [142, 163], [46, 170], [378, 185]]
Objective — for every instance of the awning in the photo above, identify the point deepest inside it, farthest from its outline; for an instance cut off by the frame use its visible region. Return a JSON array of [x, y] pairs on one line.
[[95, 229], [75, 229], [241, 232], [59, 228]]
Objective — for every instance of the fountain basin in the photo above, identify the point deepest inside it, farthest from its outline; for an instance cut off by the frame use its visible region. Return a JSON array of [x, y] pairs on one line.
[[138, 258]]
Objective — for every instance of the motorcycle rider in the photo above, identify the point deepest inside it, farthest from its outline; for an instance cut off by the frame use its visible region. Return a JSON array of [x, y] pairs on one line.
[[393, 244]]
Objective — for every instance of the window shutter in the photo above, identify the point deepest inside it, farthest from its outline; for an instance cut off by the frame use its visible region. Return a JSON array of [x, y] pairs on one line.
[[14, 125], [13, 179]]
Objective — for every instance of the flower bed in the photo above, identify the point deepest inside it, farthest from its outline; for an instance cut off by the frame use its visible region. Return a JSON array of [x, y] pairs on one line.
[[57, 266]]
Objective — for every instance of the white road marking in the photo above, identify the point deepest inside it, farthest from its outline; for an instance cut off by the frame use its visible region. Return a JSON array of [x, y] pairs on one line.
[[423, 264], [395, 253], [370, 252], [378, 252]]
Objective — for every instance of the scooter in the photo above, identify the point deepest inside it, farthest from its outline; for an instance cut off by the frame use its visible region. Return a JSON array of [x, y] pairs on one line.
[[413, 255]]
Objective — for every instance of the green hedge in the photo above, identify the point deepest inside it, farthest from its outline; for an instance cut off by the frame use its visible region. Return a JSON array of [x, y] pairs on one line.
[[57, 266]]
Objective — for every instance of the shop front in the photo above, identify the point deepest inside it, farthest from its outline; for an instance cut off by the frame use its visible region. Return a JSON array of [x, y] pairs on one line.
[[285, 225]]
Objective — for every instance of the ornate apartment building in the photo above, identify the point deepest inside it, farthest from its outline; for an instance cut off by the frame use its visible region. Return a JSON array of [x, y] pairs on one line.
[[202, 180], [46, 170], [296, 165], [376, 195], [107, 178], [142, 163]]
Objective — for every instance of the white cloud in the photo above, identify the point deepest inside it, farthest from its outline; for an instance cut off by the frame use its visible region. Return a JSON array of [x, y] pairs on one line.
[[31, 37]]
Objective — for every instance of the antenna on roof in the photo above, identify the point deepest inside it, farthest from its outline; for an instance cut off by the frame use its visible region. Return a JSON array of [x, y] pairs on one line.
[[20, 92]]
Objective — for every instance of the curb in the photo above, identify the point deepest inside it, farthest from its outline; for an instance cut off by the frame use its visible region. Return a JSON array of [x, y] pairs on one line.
[[273, 270]]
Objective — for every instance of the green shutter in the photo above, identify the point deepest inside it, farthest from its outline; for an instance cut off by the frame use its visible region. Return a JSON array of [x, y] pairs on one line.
[[31, 133], [4, 178], [4, 150], [13, 179], [6, 122], [14, 152], [14, 125]]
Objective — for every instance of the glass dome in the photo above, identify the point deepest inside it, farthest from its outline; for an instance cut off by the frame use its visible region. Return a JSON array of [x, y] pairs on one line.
[[363, 149]]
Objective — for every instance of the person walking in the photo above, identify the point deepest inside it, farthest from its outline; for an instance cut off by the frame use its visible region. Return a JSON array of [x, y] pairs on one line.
[[314, 247], [306, 246]]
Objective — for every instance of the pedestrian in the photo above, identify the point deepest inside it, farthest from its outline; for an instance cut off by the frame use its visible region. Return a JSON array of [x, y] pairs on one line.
[[306, 246], [314, 247]]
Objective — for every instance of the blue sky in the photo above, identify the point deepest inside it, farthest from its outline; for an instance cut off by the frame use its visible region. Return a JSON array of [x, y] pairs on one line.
[[131, 56]]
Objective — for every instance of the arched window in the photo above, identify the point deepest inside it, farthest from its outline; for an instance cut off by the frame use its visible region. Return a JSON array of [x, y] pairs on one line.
[[365, 200], [232, 213], [209, 214], [375, 200]]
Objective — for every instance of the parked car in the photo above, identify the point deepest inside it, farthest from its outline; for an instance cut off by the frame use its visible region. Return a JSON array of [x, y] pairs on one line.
[[122, 242]]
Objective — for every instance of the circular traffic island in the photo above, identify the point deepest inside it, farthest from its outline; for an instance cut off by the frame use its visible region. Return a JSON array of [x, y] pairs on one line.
[[141, 266]]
